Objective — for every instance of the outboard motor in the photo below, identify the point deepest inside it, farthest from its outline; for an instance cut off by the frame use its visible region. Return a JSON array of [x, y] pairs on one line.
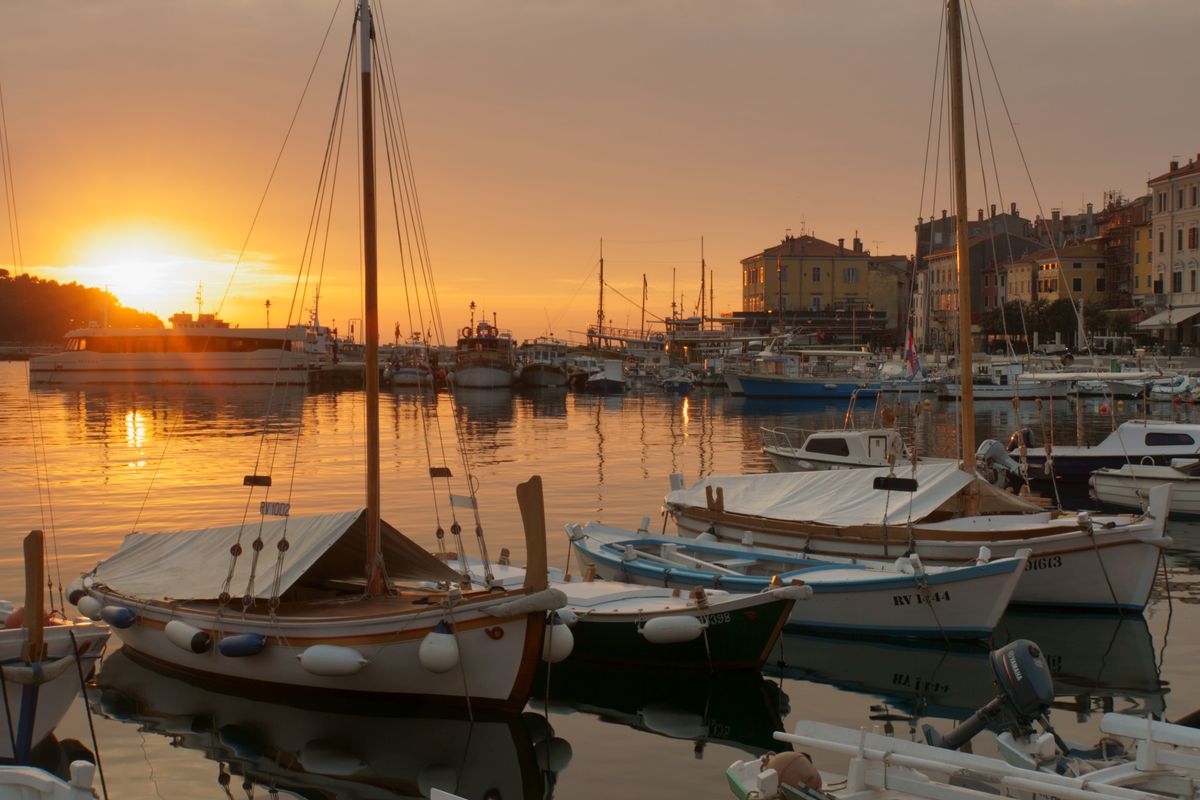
[[1026, 693], [999, 467]]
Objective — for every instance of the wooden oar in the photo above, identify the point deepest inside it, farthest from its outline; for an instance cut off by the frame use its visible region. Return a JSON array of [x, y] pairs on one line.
[[533, 517]]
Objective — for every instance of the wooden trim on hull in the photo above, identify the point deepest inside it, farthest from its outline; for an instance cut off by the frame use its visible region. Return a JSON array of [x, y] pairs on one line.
[[873, 535]]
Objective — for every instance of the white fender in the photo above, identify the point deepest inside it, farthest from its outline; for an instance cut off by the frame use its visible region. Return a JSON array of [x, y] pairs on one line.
[[553, 753], [439, 650], [332, 661], [558, 642], [672, 630], [188, 637], [90, 607]]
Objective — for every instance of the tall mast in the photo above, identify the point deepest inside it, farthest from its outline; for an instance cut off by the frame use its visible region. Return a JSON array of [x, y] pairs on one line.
[[958, 138], [371, 291], [702, 271], [600, 307]]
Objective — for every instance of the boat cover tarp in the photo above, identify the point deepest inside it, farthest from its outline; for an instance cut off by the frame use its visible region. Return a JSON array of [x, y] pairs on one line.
[[193, 565], [847, 496]]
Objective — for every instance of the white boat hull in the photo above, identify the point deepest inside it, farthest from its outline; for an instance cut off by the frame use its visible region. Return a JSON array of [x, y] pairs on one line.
[[1129, 486], [494, 664], [54, 697], [256, 367], [1072, 569], [1023, 390]]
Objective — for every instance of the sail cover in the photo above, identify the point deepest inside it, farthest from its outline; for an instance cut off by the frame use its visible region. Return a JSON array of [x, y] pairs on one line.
[[847, 497], [193, 565]]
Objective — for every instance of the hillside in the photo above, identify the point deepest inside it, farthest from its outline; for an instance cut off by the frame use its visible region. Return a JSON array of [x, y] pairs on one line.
[[34, 311]]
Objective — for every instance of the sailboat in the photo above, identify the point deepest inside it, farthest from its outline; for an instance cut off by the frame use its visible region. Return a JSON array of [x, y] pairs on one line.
[[944, 513], [315, 603]]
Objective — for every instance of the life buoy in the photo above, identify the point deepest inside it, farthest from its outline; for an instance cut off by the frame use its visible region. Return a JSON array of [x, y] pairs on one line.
[[466, 332], [658, 337]]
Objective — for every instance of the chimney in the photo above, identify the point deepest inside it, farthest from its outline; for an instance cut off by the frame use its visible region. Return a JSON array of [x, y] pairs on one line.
[[1089, 209], [842, 246], [1014, 209], [857, 245], [981, 215], [993, 210], [1174, 166], [1054, 214], [943, 213]]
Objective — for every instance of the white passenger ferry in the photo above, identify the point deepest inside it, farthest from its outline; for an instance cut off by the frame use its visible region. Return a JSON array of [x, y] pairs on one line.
[[193, 351]]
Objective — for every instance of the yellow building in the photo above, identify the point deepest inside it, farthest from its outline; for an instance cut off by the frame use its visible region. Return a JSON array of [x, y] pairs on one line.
[[1143, 263], [806, 273], [1020, 281], [1075, 273]]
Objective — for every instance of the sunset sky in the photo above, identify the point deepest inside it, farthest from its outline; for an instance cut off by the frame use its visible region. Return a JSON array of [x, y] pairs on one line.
[[142, 134]]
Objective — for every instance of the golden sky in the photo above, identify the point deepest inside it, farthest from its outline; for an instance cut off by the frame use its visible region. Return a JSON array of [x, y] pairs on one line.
[[142, 134]]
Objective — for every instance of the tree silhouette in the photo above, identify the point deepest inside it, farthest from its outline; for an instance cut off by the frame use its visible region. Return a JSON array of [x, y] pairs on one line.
[[37, 311]]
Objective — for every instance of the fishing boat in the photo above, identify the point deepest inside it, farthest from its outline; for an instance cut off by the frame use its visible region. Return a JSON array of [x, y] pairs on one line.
[[1128, 486], [408, 365], [676, 380], [630, 623], [485, 358], [194, 351], [543, 362], [904, 599], [609, 378], [807, 375], [1005, 380], [338, 602], [1078, 559]]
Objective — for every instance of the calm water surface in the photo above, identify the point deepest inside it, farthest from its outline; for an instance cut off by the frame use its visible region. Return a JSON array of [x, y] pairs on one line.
[[92, 465]]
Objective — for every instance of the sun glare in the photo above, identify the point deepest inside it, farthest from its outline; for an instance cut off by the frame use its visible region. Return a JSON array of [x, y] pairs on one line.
[[144, 269]]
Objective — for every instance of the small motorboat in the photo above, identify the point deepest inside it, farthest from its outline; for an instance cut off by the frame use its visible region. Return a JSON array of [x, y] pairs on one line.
[[1129, 486]]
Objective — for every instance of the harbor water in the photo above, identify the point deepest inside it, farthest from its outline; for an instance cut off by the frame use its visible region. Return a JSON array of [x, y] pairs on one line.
[[91, 465]]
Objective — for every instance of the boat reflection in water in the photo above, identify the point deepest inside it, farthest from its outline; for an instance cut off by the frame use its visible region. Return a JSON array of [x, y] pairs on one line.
[[349, 750], [739, 709], [1100, 662]]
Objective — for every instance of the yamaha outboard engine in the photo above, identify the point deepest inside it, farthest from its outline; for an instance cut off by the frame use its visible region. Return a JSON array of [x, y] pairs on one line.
[[998, 467], [1026, 694]]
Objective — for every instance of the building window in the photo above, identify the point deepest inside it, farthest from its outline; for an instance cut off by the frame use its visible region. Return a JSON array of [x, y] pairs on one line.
[[1176, 281], [1137, 257], [1193, 280], [816, 302], [850, 275], [1100, 284], [1076, 284], [1179, 239], [1180, 199], [816, 275], [1161, 246], [1193, 196], [1193, 237], [1077, 265]]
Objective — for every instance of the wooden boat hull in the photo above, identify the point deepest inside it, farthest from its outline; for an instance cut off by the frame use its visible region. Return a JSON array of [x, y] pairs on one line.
[[480, 377], [1068, 566], [739, 633], [497, 655]]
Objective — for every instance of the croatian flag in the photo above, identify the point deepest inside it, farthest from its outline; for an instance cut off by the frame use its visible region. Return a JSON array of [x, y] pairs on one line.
[[910, 356]]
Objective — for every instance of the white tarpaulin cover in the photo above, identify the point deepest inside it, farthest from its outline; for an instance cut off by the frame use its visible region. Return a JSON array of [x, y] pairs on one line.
[[193, 565], [846, 496]]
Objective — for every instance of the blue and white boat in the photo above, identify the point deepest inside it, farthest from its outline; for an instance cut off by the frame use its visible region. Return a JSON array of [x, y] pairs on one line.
[[1142, 441], [608, 379], [808, 375], [902, 598]]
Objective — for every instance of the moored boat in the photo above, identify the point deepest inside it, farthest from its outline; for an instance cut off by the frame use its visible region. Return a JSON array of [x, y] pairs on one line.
[[485, 358], [796, 450], [543, 362], [1129, 485], [608, 379], [1140, 441], [1078, 559], [194, 351], [904, 599]]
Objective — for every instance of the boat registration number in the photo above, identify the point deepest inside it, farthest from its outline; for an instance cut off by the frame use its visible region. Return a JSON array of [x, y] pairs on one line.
[[1044, 562], [920, 599], [716, 619]]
